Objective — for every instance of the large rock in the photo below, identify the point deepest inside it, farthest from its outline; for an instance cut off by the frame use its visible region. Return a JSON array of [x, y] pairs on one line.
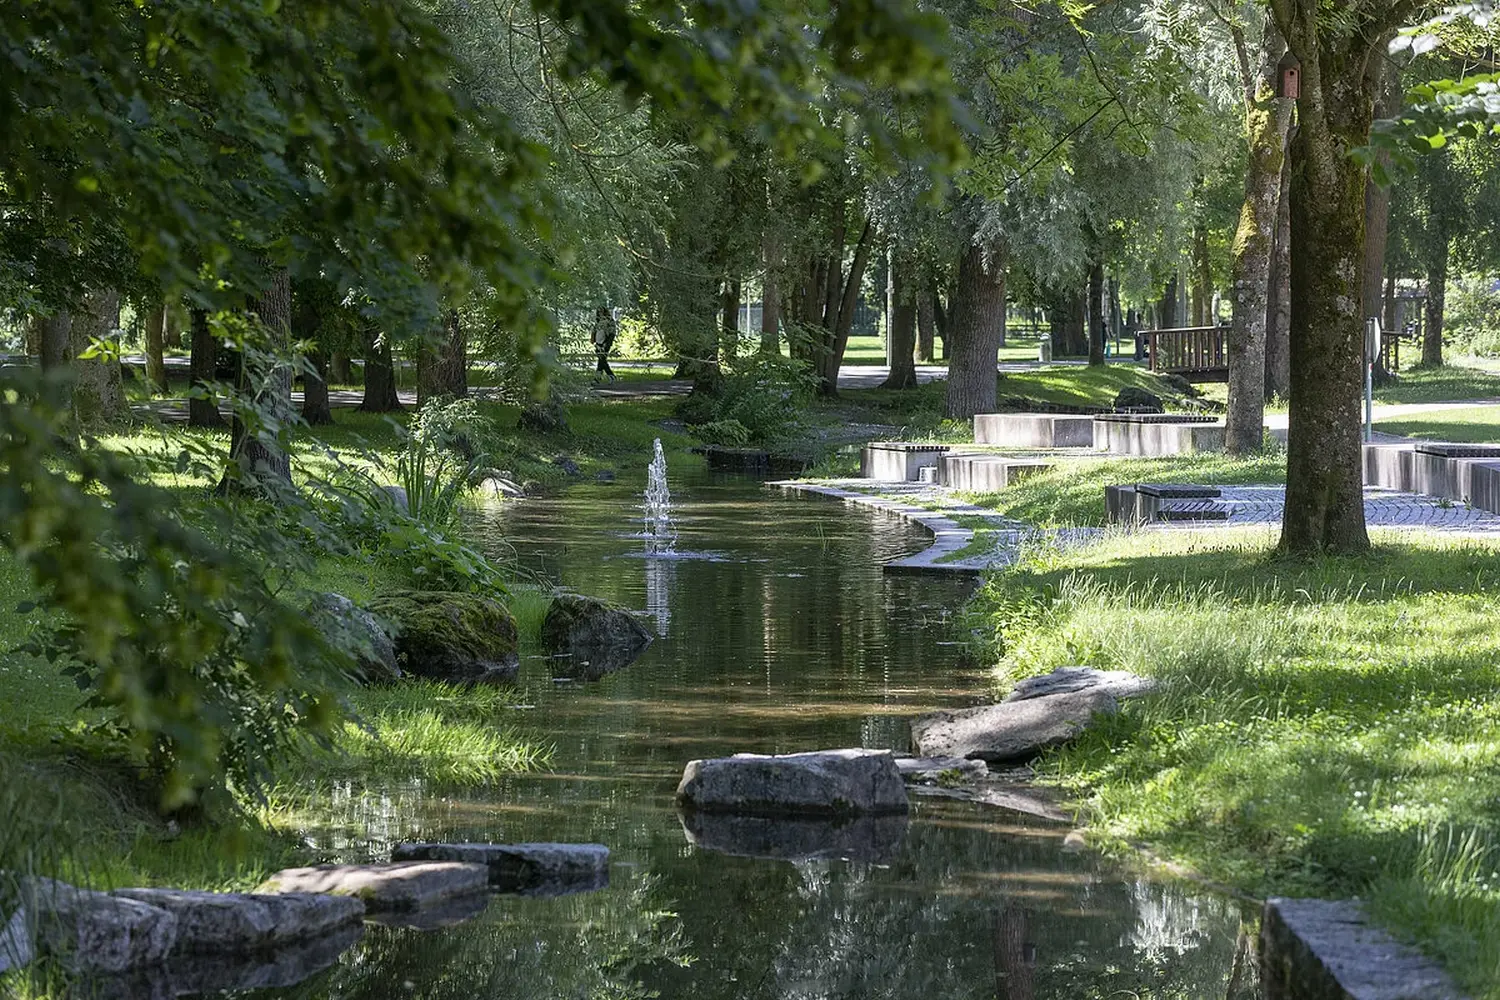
[[16, 948], [193, 974], [1012, 730], [1316, 949], [232, 921], [1120, 683], [871, 839], [595, 638], [94, 931], [407, 885], [527, 869], [360, 632], [1138, 400], [450, 636], [823, 783]]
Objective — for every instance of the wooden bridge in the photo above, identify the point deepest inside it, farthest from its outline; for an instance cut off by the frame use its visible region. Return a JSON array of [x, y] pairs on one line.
[[1194, 352], [1197, 353]]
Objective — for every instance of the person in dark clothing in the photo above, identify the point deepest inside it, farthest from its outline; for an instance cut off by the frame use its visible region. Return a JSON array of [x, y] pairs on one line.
[[603, 337]]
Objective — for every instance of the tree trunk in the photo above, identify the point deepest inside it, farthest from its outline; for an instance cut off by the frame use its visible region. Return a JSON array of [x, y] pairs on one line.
[[56, 336], [1096, 313], [1437, 296], [380, 376], [155, 332], [340, 371], [1279, 294], [1324, 509], [1167, 308], [925, 322], [729, 341], [901, 338], [1266, 122], [203, 409], [976, 325], [316, 410], [99, 384], [770, 314], [263, 464], [843, 317], [940, 324], [1203, 276], [34, 335], [443, 366]]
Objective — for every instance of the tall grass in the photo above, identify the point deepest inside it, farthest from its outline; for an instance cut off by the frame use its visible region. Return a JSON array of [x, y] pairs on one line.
[[1322, 728]]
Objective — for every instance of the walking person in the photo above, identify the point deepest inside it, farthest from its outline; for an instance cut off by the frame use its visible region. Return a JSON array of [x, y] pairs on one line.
[[603, 337]]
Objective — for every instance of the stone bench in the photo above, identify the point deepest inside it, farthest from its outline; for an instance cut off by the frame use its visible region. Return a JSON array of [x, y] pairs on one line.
[[1034, 430], [1463, 473], [898, 461], [1143, 503], [1155, 434], [982, 473]]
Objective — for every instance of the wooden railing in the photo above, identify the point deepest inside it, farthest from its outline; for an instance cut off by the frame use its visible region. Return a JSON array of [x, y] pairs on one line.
[[1188, 351]]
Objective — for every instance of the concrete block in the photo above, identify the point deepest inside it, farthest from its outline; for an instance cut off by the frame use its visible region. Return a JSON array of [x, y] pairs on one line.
[[898, 461], [985, 473], [1034, 430], [1156, 434], [1316, 949]]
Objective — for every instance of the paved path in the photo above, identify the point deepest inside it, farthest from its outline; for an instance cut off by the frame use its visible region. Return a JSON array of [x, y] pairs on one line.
[[1262, 505]]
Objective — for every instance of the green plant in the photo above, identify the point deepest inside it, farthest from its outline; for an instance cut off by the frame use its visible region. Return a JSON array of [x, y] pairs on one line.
[[757, 401]]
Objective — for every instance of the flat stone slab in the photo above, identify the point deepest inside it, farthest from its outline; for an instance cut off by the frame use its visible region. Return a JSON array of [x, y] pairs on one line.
[[1012, 730], [232, 921], [1458, 450], [1316, 949], [1177, 491], [822, 783], [1120, 683], [940, 770], [1155, 418], [527, 869], [406, 885], [95, 931], [869, 839]]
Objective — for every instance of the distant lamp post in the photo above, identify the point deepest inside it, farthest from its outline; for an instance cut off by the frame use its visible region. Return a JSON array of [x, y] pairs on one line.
[[1289, 77]]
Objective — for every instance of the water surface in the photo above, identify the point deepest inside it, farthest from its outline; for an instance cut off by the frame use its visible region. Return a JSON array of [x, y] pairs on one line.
[[778, 633]]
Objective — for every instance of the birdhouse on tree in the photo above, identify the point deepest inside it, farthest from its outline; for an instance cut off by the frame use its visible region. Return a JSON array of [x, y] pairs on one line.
[[1289, 77]]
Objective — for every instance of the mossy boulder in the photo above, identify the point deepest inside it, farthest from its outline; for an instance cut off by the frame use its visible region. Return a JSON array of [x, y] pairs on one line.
[[450, 636], [591, 638], [361, 633]]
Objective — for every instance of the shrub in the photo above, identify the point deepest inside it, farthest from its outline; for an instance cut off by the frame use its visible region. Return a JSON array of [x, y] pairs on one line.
[[758, 401]]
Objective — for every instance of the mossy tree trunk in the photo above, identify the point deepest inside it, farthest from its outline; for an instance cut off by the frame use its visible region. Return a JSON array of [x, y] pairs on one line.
[[1437, 300], [975, 330], [1324, 509], [926, 326], [99, 383], [1266, 121], [1279, 293]]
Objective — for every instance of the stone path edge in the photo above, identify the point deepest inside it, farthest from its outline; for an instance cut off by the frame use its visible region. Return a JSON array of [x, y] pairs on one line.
[[948, 535]]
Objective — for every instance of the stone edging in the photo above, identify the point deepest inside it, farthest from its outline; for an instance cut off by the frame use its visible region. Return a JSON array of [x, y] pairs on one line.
[[949, 536]]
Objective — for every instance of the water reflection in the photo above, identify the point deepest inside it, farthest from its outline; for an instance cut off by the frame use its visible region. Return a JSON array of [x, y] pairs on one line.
[[795, 641]]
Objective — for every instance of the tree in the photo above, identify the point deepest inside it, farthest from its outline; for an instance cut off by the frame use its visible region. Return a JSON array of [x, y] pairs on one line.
[[443, 361], [975, 330], [1325, 484], [1266, 122], [93, 346], [901, 336], [259, 462]]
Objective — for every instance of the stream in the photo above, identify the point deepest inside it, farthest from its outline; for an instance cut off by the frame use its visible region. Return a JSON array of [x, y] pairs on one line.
[[778, 633]]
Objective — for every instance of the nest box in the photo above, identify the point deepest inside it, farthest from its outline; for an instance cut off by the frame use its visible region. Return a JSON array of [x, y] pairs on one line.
[[1289, 76]]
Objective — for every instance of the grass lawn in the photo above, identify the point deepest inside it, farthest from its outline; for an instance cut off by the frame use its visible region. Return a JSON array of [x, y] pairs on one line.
[[1020, 345], [1471, 423], [72, 801], [1450, 383], [1326, 728]]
